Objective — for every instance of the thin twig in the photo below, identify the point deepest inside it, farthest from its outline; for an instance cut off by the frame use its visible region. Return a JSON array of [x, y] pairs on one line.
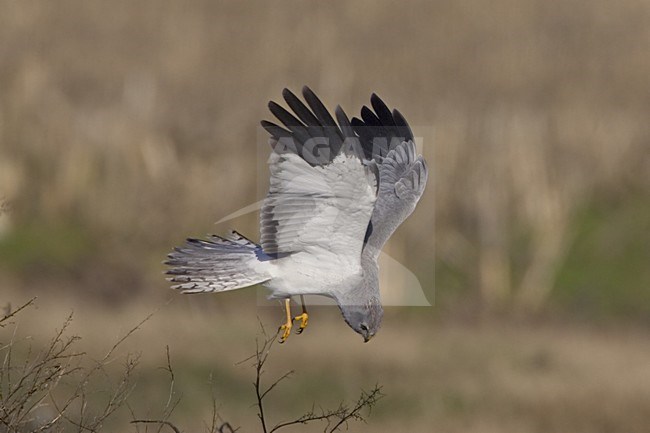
[[155, 421], [335, 418], [367, 399], [9, 314]]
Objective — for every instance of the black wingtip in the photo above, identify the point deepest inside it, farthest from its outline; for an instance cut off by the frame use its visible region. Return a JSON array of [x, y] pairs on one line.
[[401, 122], [375, 99], [344, 122], [286, 93], [378, 105], [275, 130], [370, 118], [382, 111]]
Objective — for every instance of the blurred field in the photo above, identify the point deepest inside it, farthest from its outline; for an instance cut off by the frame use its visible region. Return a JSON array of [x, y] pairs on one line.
[[451, 377], [125, 127]]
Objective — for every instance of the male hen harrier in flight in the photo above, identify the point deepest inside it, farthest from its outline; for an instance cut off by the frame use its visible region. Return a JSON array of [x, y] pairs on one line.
[[338, 190]]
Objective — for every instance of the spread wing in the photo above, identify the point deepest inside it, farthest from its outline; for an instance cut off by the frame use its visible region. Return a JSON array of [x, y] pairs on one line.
[[387, 139], [321, 194]]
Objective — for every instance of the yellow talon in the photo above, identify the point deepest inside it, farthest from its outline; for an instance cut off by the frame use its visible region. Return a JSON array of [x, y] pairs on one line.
[[287, 331], [288, 325], [304, 318]]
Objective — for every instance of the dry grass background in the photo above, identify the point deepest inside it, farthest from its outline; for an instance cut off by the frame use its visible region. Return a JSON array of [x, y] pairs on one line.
[[126, 126]]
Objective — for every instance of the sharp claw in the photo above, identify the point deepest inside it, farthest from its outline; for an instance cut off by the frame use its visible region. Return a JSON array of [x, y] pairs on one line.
[[287, 331], [303, 322]]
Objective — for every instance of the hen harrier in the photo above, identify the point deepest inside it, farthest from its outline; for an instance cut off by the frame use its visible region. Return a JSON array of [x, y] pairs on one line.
[[338, 190]]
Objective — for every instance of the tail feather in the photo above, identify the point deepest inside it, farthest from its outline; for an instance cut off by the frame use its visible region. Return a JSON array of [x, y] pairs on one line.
[[217, 264]]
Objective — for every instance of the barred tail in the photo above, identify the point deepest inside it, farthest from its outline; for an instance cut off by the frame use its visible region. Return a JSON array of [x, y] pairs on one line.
[[217, 264]]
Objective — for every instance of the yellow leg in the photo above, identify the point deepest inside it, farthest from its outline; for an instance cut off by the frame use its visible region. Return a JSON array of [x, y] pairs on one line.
[[304, 317], [287, 326]]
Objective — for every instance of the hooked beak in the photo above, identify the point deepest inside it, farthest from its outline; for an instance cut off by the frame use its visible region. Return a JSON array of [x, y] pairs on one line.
[[366, 338]]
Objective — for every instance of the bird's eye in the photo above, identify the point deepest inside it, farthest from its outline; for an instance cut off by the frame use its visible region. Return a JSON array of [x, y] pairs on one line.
[[363, 327]]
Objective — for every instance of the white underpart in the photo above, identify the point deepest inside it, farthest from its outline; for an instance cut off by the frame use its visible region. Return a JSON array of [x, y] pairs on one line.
[[319, 216]]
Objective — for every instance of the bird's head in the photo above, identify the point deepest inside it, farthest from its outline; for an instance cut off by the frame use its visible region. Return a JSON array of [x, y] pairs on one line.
[[364, 318]]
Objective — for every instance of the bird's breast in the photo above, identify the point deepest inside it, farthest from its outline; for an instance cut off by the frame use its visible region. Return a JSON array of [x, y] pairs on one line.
[[304, 274]]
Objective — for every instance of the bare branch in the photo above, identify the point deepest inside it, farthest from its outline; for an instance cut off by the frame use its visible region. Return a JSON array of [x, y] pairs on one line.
[[41, 373], [9, 313], [127, 335], [154, 421], [224, 426], [366, 400], [34, 383], [171, 404], [218, 425], [273, 385], [335, 418], [261, 355], [340, 416]]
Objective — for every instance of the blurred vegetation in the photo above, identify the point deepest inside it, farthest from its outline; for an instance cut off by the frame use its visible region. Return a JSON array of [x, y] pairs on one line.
[[39, 248], [450, 377], [608, 242], [59, 388], [125, 127]]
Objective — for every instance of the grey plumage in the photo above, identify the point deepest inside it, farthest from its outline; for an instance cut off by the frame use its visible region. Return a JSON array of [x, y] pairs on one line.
[[338, 190], [216, 264]]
